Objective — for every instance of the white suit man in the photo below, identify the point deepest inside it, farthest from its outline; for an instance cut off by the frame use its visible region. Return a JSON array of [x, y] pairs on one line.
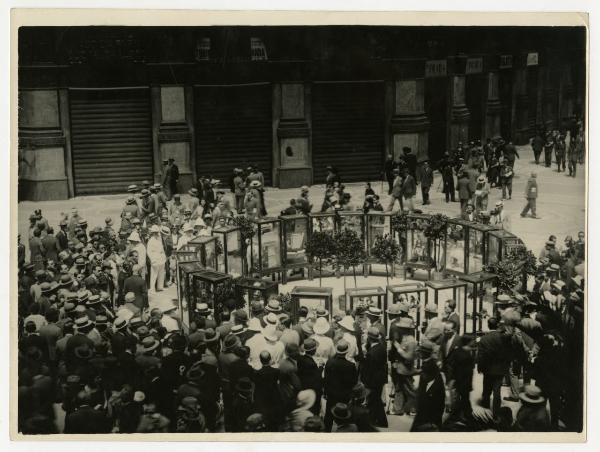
[[136, 245], [157, 256]]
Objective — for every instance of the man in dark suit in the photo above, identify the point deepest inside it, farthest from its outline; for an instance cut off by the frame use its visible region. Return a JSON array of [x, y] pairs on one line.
[[388, 170], [426, 181], [409, 189], [411, 161], [266, 396], [463, 364], [431, 394], [50, 244], [340, 377], [450, 314], [85, 418], [62, 241], [137, 285], [493, 360], [309, 373], [450, 343], [374, 374], [464, 190]]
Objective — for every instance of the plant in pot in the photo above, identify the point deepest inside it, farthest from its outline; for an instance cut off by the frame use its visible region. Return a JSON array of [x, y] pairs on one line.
[[320, 247], [349, 252], [435, 231], [526, 261], [386, 251]]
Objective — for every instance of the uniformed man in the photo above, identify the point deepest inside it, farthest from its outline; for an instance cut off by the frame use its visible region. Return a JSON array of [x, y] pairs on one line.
[[531, 194]]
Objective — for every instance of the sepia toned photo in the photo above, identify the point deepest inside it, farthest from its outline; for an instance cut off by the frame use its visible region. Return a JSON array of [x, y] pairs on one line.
[[372, 227]]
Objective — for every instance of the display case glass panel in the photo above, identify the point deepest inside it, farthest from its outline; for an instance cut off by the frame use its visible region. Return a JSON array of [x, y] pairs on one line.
[[353, 221], [378, 224], [417, 245], [476, 251], [365, 296], [205, 248], [416, 295], [456, 239], [481, 294], [213, 288], [185, 270], [248, 290], [295, 236], [322, 222], [443, 290], [313, 298], [266, 246], [230, 261], [498, 243]]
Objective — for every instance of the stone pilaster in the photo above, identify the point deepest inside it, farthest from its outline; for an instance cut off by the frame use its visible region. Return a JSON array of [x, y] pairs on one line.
[[42, 144], [409, 126], [459, 113], [567, 96], [172, 110], [521, 107], [493, 107], [291, 141], [550, 95]]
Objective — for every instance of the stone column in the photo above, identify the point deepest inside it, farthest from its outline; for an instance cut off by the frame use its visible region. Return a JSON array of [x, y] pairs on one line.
[[409, 124], [292, 147], [42, 165], [459, 113], [567, 94], [493, 107], [520, 107], [174, 126], [550, 99]]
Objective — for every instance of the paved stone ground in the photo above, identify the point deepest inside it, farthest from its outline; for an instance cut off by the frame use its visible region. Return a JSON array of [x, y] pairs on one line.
[[561, 206]]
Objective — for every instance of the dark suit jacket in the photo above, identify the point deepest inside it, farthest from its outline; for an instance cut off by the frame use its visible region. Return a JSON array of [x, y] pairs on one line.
[[340, 377], [86, 420], [137, 285], [51, 247], [494, 353], [409, 186], [62, 240], [374, 366], [447, 356], [430, 401], [309, 374], [266, 396]]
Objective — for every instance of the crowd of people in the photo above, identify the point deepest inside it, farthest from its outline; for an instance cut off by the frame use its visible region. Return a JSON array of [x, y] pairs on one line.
[[95, 357]]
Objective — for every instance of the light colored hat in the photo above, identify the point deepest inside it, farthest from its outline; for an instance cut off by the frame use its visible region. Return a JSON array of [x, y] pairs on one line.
[[532, 395], [347, 322], [129, 297], [154, 229], [200, 223], [559, 284], [134, 237], [255, 184], [269, 332], [321, 326], [188, 228], [374, 311], [577, 280], [254, 324], [271, 319], [481, 179], [499, 203]]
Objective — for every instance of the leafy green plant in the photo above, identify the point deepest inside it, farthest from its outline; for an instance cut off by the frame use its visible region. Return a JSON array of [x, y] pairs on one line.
[[435, 230], [247, 231], [320, 247], [386, 251], [349, 252]]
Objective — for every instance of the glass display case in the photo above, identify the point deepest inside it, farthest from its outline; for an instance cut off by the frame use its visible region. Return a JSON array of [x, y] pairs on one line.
[[456, 245], [185, 270], [213, 288], [443, 290], [378, 224], [417, 244], [322, 222], [477, 246], [353, 220], [295, 235], [499, 242], [266, 247], [479, 302], [365, 296], [230, 261], [206, 250], [417, 297], [248, 290], [313, 298]]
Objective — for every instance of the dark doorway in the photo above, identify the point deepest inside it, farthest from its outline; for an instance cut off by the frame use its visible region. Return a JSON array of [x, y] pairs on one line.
[[436, 107]]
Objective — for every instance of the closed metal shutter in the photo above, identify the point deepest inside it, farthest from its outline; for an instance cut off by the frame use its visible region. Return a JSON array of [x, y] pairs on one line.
[[348, 130], [233, 129], [111, 139]]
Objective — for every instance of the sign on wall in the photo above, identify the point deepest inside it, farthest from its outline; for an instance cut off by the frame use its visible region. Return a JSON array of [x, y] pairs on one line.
[[474, 66], [436, 68], [506, 61], [532, 59]]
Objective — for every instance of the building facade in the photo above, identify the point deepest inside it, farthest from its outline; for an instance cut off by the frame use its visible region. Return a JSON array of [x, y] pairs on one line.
[[101, 107]]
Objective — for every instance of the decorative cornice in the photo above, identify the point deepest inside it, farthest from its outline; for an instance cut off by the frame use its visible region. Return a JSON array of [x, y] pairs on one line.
[[417, 122], [293, 128], [174, 133], [46, 138]]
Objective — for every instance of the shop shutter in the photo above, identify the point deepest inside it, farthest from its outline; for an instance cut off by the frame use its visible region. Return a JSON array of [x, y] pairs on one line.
[[111, 139], [348, 130], [233, 129]]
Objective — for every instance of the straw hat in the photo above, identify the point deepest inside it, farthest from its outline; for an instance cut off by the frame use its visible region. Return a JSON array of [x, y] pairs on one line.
[[321, 326], [347, 322]]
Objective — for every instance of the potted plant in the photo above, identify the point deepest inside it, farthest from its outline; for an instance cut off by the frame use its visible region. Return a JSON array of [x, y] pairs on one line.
[[435, 231], [349, 252], [386, 251], [320, 247]]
